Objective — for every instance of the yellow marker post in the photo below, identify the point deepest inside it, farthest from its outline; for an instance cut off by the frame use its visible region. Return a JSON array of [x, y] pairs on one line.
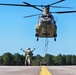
[[44, 71]]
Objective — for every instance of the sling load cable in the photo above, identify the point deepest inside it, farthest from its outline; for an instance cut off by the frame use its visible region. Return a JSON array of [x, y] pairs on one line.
[[46, 45], [45, 48]]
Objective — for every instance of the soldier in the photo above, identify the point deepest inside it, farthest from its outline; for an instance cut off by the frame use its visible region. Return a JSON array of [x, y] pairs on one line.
[[28, 54]]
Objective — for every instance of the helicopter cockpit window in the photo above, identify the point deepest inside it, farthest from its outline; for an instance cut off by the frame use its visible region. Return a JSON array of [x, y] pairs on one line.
[[43, 16], [49, 16]]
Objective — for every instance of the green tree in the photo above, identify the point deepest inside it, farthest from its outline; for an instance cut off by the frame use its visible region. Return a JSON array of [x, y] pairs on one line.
[[18, 59], [64, 60], [69, 60], [48, 59], [8, 59], [73, 60], [1, 60], [55, 60], [60, 59], [36, 60]]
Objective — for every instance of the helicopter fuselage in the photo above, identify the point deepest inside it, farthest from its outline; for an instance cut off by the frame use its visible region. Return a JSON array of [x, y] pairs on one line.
[[46, 26]]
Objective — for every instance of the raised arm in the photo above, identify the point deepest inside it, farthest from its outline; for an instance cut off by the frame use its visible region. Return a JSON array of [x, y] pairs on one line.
[[33, 49], [23, 50]]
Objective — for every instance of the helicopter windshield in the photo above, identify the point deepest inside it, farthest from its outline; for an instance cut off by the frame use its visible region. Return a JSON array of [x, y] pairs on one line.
[[46, 16], [42, 16]]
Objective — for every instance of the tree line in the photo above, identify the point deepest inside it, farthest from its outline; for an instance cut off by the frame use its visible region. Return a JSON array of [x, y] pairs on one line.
[[17, 59]]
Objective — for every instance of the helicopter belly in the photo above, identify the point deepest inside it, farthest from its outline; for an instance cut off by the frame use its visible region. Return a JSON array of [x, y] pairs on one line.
[[45, 30]]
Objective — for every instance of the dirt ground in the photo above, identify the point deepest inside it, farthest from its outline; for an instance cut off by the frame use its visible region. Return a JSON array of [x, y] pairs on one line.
[[35, 70]]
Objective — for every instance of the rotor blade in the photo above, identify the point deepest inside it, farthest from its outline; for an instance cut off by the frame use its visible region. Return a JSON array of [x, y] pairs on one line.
[[63, 12], [12, 4], [22, 5], [32, 6], [31, 15], [61, 7], [56, 2]]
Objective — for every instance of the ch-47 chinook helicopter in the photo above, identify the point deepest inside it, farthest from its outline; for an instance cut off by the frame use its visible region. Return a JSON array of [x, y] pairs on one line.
[[46, 26]]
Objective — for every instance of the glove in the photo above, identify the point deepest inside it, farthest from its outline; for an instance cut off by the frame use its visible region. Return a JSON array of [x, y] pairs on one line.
[[21, 48], [34, 48]]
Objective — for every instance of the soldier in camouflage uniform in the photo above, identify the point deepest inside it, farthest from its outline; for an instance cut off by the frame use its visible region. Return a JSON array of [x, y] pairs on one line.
[[28, 54]]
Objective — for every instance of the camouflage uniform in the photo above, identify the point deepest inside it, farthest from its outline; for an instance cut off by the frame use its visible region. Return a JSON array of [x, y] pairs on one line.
[[28, 54]]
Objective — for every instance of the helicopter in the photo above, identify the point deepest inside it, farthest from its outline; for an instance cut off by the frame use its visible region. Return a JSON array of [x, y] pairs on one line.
[[46, 26]]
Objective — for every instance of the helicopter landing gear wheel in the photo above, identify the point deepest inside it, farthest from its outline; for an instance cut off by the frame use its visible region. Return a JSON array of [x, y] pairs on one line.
[[37, 35], [55, 35], [55, 39], [37, 38]]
